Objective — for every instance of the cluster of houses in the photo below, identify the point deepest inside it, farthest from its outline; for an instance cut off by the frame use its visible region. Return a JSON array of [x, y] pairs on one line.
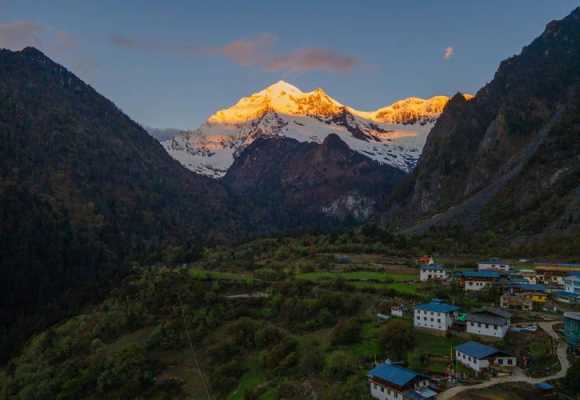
[[441, 317], [522, 289], [393, 382]]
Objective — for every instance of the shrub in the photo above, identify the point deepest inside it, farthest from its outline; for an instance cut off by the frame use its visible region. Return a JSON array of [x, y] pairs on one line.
[[346, 332], [396, 338]]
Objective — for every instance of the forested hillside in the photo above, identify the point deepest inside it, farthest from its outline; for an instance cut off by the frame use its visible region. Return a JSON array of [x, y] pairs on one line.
[[83, 189], [506, 161]]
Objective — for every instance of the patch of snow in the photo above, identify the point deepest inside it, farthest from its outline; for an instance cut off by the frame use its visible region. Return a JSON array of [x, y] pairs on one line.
[[393, 135]]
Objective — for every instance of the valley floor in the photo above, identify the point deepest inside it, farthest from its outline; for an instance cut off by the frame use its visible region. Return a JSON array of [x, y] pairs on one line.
[[270, 319]]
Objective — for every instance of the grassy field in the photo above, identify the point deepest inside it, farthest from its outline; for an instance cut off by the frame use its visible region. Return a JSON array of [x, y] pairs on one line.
[[200, 274], [357, 276], [435, 349], [250, 380], [368, 345], [400, 287]]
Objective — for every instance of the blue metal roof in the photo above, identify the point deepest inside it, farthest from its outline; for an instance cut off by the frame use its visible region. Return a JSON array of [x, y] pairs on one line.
[[544, 386], [420, 394], [437, 306], [476, 350], [529, 287], [433, 267], [493, 261], [562, 293], [575, 274], [550, 264], [481, 274], [394, 374]]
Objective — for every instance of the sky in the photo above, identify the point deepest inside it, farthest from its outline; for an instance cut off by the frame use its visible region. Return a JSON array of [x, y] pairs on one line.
[[172, 63]]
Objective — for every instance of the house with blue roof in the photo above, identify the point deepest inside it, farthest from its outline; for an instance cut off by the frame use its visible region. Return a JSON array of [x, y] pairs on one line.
[[493, 264], [555, 273], [572, 283], [478, 357], [391, 382], [433, 272], [492, 322], [478, 280], [436, 315], [527, 287]]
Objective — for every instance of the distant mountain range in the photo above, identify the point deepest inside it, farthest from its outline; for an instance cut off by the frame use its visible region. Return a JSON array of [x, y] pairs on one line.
[[392, 135], [163, 134]]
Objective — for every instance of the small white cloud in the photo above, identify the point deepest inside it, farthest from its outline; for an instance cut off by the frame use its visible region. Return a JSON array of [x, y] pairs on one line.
[[448, 53]]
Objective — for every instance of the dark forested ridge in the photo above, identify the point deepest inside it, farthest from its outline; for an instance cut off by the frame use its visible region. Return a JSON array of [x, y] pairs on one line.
[[84, 191], [507, 160], [295, 184], [83, 187]]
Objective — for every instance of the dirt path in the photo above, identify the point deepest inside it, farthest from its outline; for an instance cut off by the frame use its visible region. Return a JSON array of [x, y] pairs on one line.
[[548, 327]]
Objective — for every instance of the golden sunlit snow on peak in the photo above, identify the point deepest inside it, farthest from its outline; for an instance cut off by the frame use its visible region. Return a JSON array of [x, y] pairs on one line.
[[280, 97], [285, 98]]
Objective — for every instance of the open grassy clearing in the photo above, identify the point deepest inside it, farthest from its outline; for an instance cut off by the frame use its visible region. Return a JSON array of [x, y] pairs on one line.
[[432, 352], [201, 274], [249, 380], [357, 276]]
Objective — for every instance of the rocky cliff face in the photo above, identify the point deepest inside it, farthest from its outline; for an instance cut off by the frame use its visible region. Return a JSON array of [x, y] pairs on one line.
[[296, 184], [503, 153]]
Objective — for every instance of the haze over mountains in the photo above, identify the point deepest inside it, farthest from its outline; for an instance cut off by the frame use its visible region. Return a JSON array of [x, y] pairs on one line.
[[392, 135]]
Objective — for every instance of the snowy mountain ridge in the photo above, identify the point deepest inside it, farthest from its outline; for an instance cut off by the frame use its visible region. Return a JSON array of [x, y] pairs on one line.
[[393, 135]]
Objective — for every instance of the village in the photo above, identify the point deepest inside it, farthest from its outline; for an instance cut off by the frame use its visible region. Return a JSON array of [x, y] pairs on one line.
[[525, 302]]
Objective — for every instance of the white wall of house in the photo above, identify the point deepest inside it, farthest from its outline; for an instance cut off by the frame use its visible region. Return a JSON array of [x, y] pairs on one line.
[[384, 393], [426, 275], [506, 361], [479, 328], [471, 362], [381, 392], [432, 320], [493, 267], [572, 284], [530, 276], [397, 312], [475, 284]]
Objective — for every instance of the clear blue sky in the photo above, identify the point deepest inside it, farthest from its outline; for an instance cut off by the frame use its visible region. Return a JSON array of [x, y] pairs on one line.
[[172, 63]]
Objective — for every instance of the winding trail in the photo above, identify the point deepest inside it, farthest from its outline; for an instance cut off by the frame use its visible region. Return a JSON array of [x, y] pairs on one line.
[[548, 327]]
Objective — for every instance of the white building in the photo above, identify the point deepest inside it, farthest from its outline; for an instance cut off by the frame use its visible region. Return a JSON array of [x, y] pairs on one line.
[[529, 275], [478, 280], [435, 315], [572, 283], [493, 264], [488, 322], [433, 272], [478, 357], [392, 382], [397, 311]]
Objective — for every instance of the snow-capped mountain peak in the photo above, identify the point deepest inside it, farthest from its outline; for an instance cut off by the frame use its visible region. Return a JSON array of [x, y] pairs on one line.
[[281, 97], [392, 135]]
